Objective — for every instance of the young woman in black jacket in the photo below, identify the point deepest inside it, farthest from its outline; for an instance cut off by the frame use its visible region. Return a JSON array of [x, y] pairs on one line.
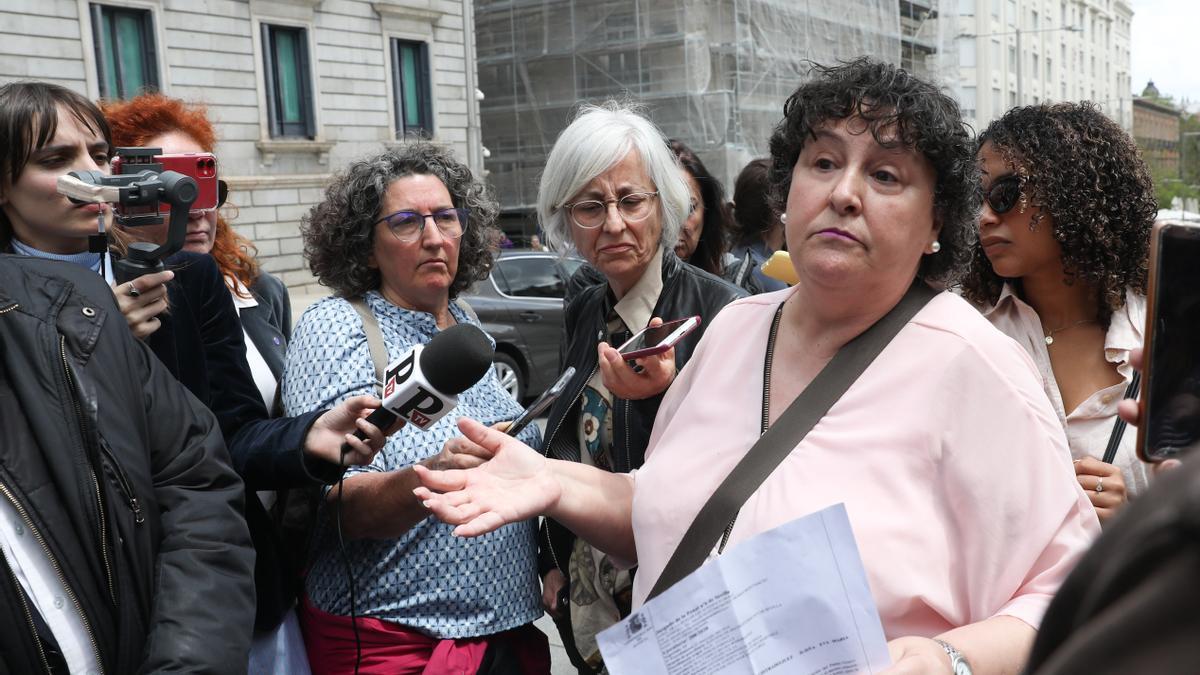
[[47, 131], [122, 479]]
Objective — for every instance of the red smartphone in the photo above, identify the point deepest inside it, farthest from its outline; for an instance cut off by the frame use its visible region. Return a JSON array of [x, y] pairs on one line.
[[201, 166], [657, 339], [1171, 375]]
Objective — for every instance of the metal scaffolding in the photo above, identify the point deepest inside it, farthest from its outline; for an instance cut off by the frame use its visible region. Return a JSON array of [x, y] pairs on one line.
[[713, 73]]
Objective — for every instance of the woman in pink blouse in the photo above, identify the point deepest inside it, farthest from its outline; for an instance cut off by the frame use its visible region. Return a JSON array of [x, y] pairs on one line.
[[1061, 265], [949, 459]]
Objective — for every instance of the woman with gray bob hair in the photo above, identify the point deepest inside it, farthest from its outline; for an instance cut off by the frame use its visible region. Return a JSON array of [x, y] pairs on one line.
[[613, 191], [599, 137]]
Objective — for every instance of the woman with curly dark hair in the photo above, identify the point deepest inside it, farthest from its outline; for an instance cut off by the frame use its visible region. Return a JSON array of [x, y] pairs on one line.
[[1061, 261], [944, 450], [401, 234]]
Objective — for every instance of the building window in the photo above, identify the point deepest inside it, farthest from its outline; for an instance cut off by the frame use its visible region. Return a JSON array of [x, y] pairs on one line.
[[1036, 65], [410, 82], [996, 8], [966, 52], [1012, 12], [125, 54], [1012, 59], [289, 85], [1049, 69], [968, 102], [995, 64], [1012, 98], [966, 7]]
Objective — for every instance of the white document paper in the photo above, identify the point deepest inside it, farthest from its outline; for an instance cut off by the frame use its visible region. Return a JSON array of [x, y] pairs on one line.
[[794, 599]]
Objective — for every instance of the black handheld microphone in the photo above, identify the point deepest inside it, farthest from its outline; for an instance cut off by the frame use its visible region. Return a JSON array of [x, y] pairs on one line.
[[423, 385]]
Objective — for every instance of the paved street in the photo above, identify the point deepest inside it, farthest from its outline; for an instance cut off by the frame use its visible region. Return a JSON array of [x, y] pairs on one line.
[[560, 664]]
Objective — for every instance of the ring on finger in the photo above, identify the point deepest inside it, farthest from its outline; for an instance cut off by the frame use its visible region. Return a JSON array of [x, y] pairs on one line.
[[1099, 485], [133, 291]]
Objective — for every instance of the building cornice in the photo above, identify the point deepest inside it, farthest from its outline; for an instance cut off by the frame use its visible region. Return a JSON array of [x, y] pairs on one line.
[[1155, 105], [271, 182], [407, 10]]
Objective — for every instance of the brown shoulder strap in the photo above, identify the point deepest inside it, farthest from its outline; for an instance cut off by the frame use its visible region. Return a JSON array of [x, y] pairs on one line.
[[778, 442], [379, 354]]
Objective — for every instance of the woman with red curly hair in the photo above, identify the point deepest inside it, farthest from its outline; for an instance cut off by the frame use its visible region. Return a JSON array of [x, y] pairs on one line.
[[157, 121]]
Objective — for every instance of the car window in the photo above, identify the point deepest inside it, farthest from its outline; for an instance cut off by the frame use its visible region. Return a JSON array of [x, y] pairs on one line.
[[531, 277], [570, 265], [500, 279]]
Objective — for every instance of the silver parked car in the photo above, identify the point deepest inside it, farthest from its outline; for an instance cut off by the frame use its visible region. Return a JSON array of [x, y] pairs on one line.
[[521, 305]]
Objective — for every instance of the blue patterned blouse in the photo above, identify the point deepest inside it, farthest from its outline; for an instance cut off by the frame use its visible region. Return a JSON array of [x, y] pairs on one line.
[[448, 587]]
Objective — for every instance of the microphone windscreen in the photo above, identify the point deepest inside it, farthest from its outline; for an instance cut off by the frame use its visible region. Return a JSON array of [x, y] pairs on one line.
[[457, 358]]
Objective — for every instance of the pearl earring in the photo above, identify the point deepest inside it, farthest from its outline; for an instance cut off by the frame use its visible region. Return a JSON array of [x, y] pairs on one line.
[[935, 246], [783, 218]]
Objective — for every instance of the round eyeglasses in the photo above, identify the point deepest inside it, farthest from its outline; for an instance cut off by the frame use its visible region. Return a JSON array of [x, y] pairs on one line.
[[591, 213], [407, 226], [1003, 194]]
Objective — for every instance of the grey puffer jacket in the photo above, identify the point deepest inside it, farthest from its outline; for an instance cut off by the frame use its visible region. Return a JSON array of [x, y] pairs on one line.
[[124, 477]]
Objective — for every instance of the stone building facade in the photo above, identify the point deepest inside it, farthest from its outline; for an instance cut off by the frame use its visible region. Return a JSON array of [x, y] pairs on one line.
[[297, 88], [1000, 54], [1156, 130]]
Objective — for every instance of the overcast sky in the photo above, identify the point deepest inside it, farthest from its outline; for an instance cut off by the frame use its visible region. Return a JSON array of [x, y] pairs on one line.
[[1166, 47]]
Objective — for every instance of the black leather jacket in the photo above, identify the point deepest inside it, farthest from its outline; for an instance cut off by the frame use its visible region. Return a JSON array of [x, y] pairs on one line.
[[129, 485], [686, 291]]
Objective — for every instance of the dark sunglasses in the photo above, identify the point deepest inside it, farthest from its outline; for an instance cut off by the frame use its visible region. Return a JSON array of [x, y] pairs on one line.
[[1003, 194]]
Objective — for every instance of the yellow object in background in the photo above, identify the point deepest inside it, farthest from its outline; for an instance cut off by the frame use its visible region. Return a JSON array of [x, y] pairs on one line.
[[779, 266]]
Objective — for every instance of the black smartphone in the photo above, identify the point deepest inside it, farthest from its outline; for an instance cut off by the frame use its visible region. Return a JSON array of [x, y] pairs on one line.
[[539, 406], [1171, 376]]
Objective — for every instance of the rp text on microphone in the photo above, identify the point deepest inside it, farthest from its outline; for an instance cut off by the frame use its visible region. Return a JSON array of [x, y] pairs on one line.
[[422, 386]]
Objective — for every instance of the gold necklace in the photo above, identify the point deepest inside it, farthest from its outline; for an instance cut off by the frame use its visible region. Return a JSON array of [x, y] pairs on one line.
[[1050, 335]]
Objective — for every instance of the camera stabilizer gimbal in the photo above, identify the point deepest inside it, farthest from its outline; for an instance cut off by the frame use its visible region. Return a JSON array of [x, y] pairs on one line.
[[135, 193]]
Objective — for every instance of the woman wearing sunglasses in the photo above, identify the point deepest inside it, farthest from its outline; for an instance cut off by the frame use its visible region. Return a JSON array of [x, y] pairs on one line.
[[1061, 262]]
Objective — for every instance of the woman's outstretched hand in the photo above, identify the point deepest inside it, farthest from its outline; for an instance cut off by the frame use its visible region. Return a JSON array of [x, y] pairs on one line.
[[515, 485]]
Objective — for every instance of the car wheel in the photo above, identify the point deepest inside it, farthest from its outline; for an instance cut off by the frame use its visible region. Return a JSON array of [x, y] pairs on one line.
[[509, 374]]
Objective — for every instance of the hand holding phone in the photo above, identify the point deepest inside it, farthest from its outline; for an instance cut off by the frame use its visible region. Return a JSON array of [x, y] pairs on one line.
[[653, 340], [641, 367]]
